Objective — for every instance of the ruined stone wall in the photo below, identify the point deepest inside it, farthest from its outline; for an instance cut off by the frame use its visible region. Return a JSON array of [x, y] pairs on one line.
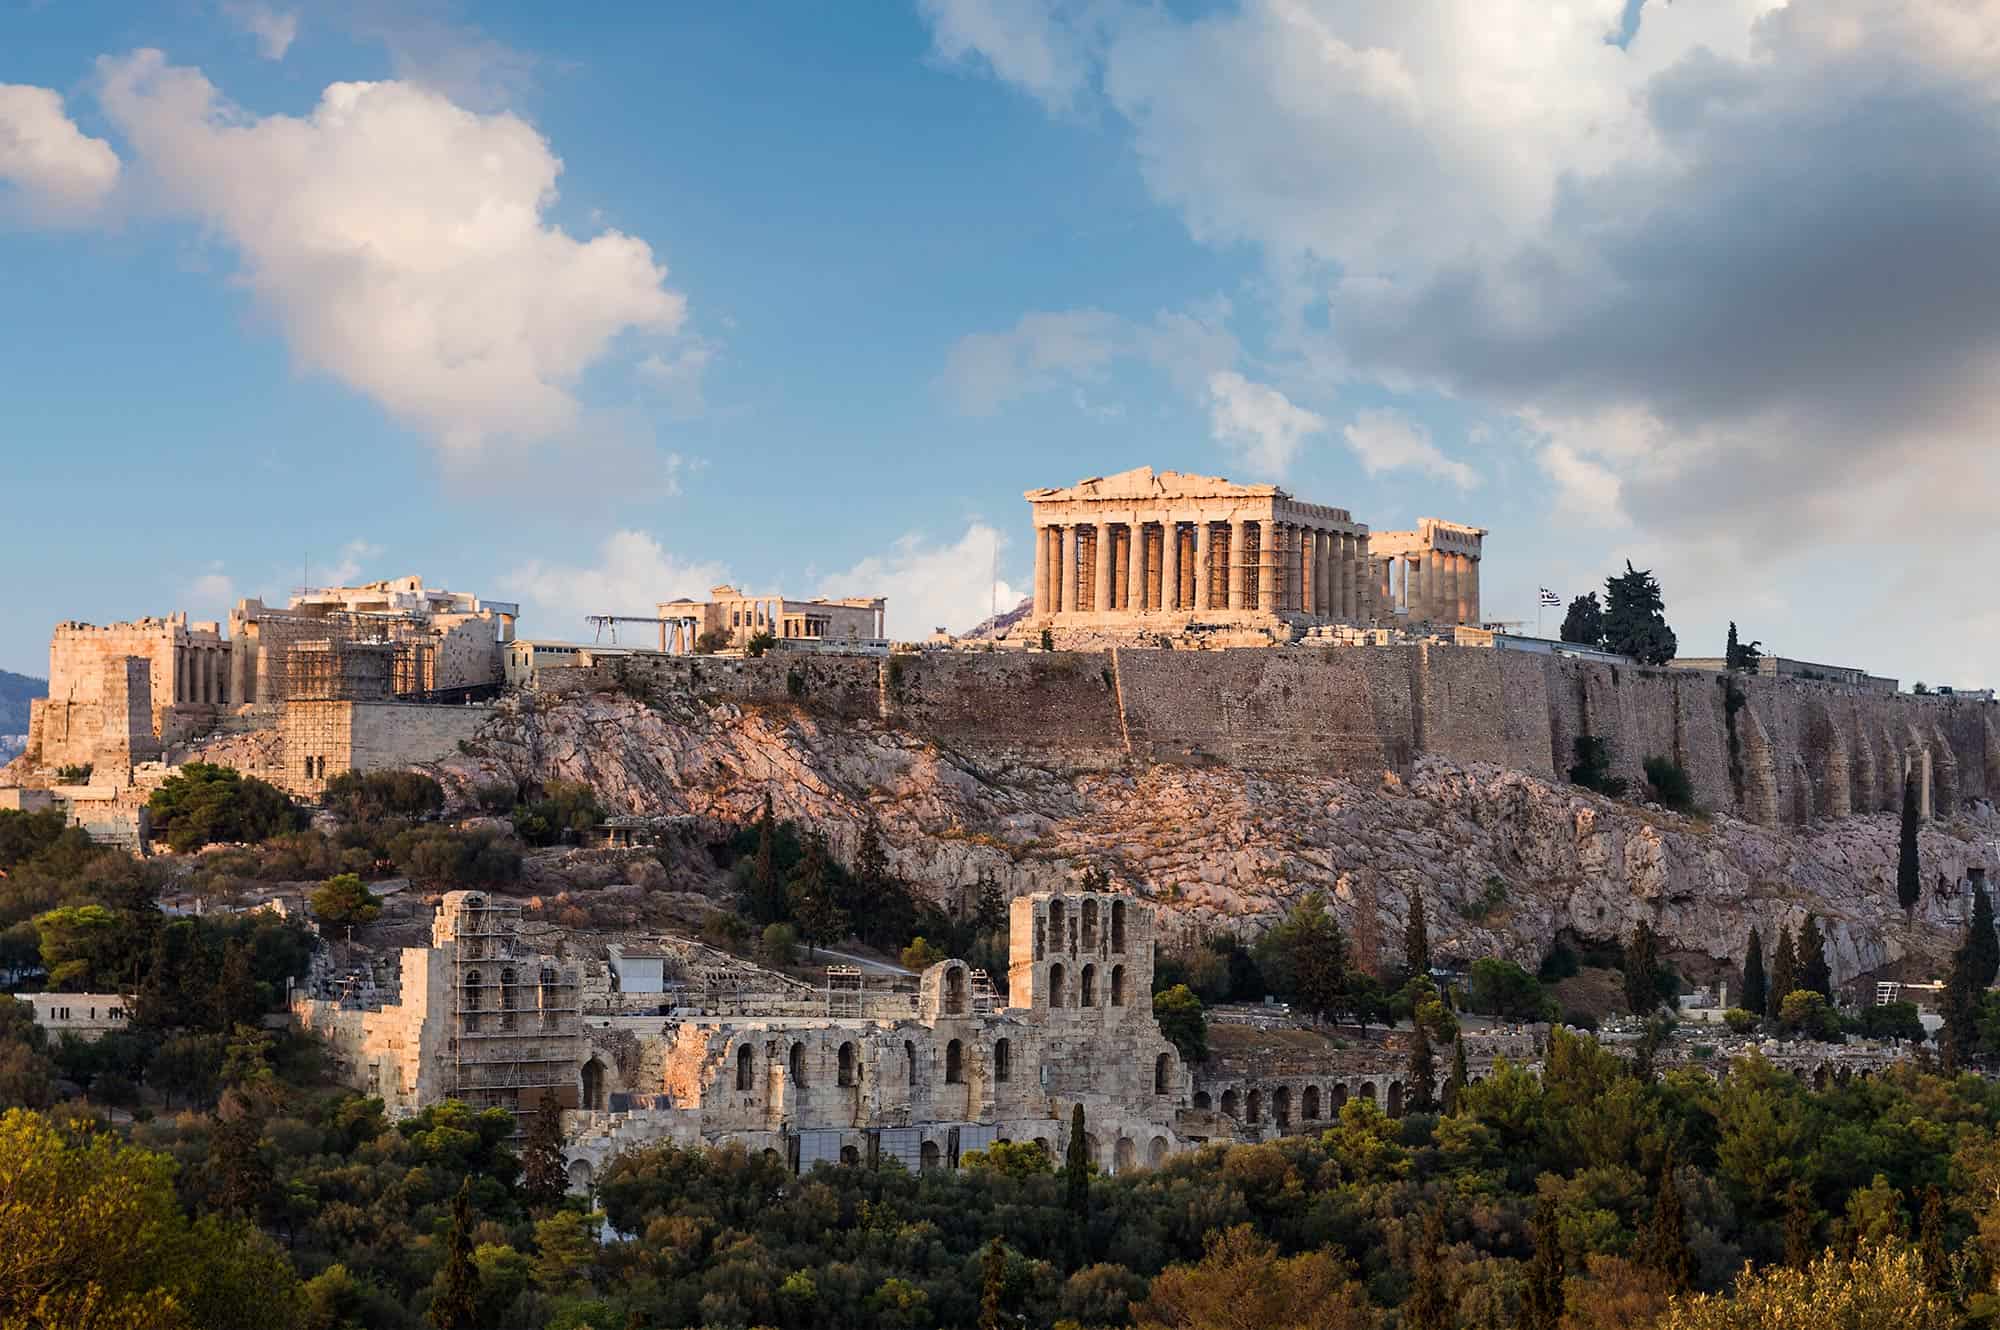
[[1015, 702]]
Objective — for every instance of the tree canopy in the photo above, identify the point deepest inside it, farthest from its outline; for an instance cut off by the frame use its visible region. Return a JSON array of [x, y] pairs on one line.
[[1635, 621]]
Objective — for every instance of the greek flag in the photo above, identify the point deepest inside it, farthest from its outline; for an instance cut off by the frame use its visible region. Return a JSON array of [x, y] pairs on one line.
[[1550, 598]]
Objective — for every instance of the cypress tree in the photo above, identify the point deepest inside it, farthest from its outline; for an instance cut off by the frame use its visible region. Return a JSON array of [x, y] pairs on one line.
[[1542, 1299], [456, 1306], [993, 1286], [1982, 941], [543, 1177], [1416, 940], [1754, 993], [1813, 972], [1642, 970], [1930, 1237], [1731, 650], [1076, 1169], [1784, 972], [1798, 1228], [1454, 1088], [1663, 1242], [767, 889], [1635, 621], [1421, 1078], [1433, 1303], [1908, 882]]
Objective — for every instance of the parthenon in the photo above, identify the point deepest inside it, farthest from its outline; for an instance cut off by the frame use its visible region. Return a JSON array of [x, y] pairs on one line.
[[1169, 545]]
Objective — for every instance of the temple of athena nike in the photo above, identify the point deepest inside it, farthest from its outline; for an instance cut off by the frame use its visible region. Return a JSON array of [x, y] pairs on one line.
[[1159, 551]]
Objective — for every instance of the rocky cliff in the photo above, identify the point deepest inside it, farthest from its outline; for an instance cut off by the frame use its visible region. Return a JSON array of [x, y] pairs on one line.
[[1504, 857]]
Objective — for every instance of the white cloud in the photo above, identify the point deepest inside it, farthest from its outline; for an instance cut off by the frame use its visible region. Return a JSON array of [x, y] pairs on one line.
[[1257, 422], [1387, 440], [931, 585], [57, 172], [631, 576], [1043, 348], [275, 31], [1026, 42], [680, 376], [399, 240], [210, 594], [354, 558]]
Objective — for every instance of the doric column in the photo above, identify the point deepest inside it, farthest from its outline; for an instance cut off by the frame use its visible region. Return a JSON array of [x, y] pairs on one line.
[[1237, 570], [1472, 614], [1348, 569], [1308, 565], [1066, 573], [1135, 573], [1267, 566], [1107, 553], [1170, 563], [1326, 574], [1461, 575], [1041, 572], [1204, 569]]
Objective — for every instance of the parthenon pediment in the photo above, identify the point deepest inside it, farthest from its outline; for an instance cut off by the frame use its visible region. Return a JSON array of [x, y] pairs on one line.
[[1145, 483]]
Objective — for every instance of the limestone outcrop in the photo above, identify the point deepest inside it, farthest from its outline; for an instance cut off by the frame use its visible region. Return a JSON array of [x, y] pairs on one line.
[[1505, 858]]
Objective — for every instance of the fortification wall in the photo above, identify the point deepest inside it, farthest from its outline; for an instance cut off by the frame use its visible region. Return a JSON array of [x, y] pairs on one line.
[[1010, 702]]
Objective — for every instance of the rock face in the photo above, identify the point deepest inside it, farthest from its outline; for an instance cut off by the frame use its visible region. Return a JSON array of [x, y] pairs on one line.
[[1505, 859]]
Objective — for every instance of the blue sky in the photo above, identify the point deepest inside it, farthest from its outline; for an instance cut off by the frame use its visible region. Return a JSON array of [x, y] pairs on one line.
[[817, 291]]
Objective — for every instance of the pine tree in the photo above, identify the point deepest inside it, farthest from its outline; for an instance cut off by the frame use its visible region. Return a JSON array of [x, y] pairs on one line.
[[1909, 881], [1814, 975], [1583, 625], [1784, 971], [1930, 1237], [1754, 994], [544, 1176], [1635, 621], [1642, 970], [809, 897], [1542, 1299], [1799, 1246], [1416, 940], [1663, 1242], [993, 1286], [1454, 1089], [456, 1306], [1973, 968], [1433, 1302], [1421, 1077]]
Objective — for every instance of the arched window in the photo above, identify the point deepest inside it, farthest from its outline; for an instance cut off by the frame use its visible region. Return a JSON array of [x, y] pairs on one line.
[[799, 1065], [470, 1003], [1281, 1106], [1229, 1103], [1003, 1060], [1202, 1103], [1058, 938], [1339, 1099], [1156, 1153], [849, 1156], [1088, 996], [1309, 1103], [508, 997], [593, 1084], [1368, 1091], [1057, 997], [954, 991], [1090, 925], [1117, 985], [1163, 1069], [1395, 1099], [909, 1063], [1126, 1154], [847, 1064], [1118, 927], [954, 1059], [1255, 1107], [929, 1157], [745, 1068]]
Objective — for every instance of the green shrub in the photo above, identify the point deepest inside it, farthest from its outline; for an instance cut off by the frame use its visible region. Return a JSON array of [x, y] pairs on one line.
[[1593, 767], [342, 899], [374, 795], [1739, 1020], [1671, 786], [564, 812], [202, 803]]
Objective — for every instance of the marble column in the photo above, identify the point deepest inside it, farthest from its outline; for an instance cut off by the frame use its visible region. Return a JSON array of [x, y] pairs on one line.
[[1170, 563], [1135, 576], [1309, 568], [1267, 566], [1235, 571], [1041, 571], [1351, 575], [1329, 574], [1106, 552], [1472, 589], [1204, 568], [1066, 571], [1461, 576]]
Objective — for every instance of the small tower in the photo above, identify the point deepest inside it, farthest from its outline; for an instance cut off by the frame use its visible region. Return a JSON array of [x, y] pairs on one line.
[[1080, 956]]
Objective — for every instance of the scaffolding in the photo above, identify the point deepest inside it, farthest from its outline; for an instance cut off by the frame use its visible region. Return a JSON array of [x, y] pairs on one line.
[[843, 990], [516, 1015], [303, 657]]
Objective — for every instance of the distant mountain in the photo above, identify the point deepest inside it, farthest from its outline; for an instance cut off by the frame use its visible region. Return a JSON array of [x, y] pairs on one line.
[[1002, 622], [16, 691]]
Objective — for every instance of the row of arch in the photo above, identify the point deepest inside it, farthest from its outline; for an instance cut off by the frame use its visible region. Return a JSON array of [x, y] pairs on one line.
[[1088, 919], [1253, 1106], [847, 1065], [1087, 994], [472, 1002]]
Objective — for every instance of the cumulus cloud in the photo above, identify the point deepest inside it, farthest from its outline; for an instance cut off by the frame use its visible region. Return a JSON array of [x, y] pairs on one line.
[[400, 242], [1033, 43], [1755, 237], [1258, 423], [55, 171], [931, 585], [274, 30], [1048, 348], [632, 574], [1387, 440]]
